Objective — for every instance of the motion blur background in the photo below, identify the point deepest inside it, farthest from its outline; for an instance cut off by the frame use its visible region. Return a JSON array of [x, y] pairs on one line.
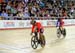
[[39, 9]]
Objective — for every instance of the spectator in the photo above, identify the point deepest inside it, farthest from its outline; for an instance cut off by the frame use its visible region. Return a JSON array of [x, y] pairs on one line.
[[4, 14], [26, 1], [72, 11], [26, 12], [20, 7], [37, 8], [42, 5], [20, 14], [8, 6]]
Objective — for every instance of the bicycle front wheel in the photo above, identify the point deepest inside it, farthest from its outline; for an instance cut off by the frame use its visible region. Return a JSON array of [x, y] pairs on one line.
[[34, 42]]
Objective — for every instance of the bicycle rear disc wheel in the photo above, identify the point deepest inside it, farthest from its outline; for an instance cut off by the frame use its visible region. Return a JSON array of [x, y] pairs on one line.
[[64, 33], [42, 39]]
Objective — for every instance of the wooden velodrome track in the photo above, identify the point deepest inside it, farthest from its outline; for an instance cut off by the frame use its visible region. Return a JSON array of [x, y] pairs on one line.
[[19, 41]]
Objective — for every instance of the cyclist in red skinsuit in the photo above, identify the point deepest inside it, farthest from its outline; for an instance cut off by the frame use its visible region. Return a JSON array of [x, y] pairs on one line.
[[37, 28], [60, 22]]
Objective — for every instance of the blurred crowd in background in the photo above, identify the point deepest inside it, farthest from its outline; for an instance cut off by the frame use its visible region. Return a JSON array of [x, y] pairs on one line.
[[23, 9]]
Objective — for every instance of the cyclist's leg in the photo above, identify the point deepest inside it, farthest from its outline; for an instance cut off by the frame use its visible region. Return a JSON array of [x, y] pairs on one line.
[[61, 28], [42, 38], [36, 33], [40, 33]]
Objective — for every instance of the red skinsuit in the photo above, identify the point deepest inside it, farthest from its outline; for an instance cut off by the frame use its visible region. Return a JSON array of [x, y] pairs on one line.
[[38, 25], [62, 22]]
